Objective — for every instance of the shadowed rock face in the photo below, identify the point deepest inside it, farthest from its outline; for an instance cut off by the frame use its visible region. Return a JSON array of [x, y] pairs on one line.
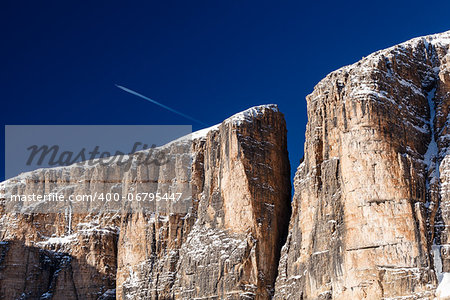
[[226, 246], [370, 203]]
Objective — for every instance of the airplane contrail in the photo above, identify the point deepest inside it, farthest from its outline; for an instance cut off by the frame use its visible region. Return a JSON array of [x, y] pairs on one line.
[[160, 104]]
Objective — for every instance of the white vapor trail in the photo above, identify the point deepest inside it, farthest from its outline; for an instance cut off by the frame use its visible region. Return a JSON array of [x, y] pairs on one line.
[[159, 104]]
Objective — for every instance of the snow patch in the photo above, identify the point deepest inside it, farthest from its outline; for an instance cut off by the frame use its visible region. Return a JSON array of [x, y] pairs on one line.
[[250, 114], [432, 147], [237, 119], [59, 240], [443, 290], [437, 261]]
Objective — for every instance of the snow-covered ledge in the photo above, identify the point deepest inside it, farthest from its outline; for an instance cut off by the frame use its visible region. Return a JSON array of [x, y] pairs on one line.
[[443, 290]]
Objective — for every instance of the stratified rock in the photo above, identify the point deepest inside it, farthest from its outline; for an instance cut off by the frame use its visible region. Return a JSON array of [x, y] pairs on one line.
[[370, 203]]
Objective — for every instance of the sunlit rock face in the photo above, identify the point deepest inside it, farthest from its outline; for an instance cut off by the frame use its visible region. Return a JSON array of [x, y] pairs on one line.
[[371, 205], [226, 244]]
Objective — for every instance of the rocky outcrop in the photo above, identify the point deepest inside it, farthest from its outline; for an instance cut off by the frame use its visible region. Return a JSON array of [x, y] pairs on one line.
[[227, 247], [370, 210], [38, 261], [225, 244]]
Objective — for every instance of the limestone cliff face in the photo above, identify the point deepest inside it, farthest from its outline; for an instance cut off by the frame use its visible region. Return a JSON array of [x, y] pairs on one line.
[[226, 245], [371, 205]]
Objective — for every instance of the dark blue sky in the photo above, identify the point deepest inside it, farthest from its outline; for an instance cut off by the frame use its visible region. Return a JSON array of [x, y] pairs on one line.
[[209, 59]]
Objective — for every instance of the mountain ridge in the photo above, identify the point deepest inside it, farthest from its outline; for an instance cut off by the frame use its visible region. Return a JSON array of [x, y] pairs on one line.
[[368, 219]]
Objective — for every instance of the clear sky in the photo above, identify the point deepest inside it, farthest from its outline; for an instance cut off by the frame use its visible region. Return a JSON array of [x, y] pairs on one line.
[[208, 59]]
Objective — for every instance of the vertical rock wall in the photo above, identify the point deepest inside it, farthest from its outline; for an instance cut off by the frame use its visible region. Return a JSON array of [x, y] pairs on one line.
[[227, 247], [367, 192]]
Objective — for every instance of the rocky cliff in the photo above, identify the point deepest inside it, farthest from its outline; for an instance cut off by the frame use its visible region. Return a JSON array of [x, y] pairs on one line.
[[226, 244], [371, 205], [229, 245], [369, 219]]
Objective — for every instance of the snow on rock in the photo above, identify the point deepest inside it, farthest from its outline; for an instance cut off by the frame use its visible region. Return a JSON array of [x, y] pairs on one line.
[[443, 290], [245, 116], [59, 240], [250, 114]]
